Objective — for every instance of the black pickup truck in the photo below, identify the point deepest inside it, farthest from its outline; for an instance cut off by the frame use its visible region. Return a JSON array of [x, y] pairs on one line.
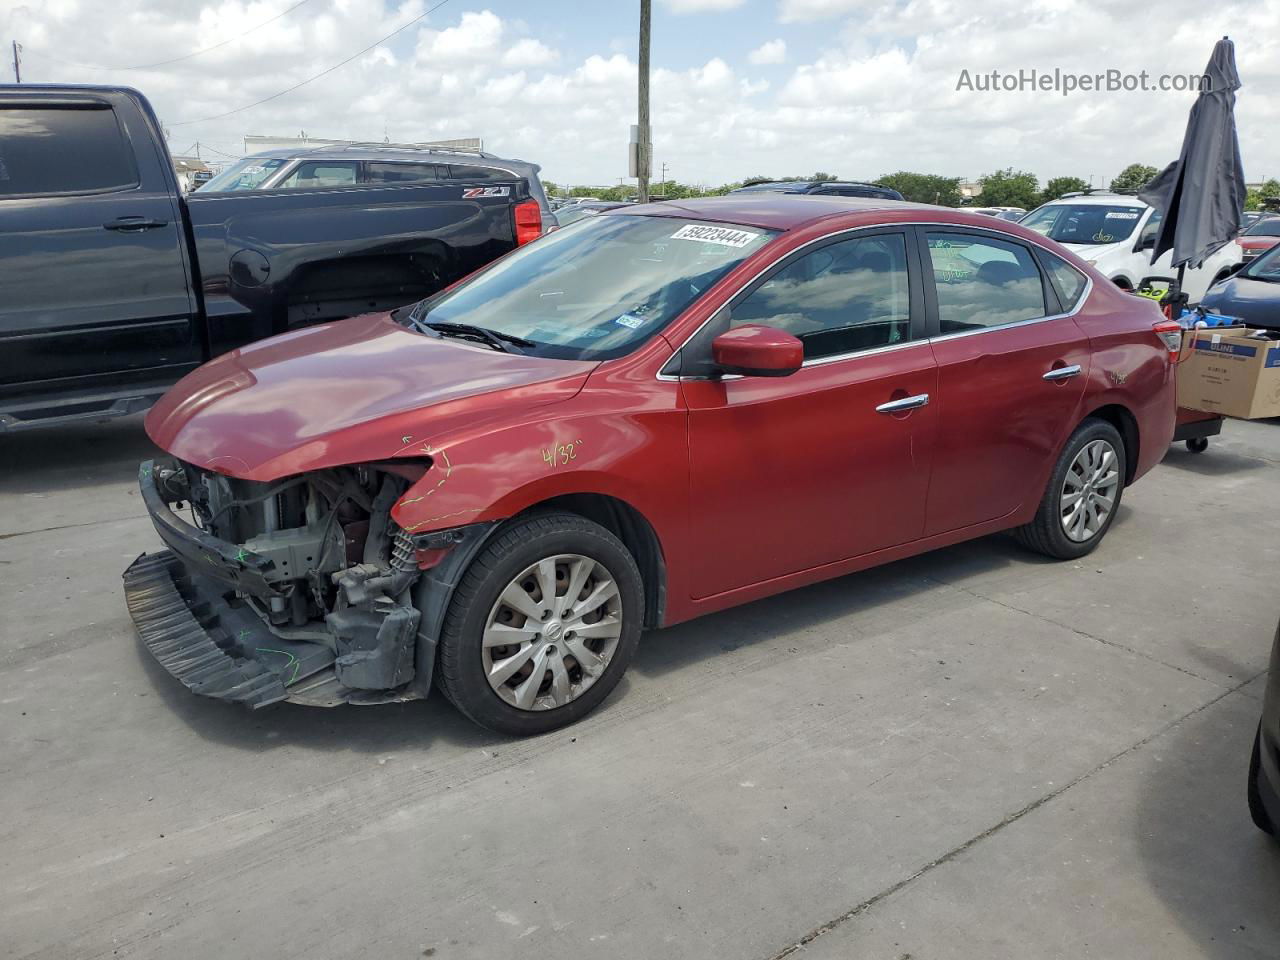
[[113, 285]]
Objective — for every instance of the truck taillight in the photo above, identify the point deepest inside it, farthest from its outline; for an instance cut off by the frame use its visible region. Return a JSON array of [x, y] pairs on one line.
[[528, 222], [1170, 331]]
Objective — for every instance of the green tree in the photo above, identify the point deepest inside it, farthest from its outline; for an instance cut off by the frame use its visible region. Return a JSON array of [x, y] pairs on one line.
[[1060, 185], [924, 187], [552, 188], [1009, 188], [1133, 177], [1256, 199], [821, 176]]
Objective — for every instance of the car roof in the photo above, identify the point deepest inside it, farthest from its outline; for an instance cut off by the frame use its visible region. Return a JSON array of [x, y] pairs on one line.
[[1102, 199], [791, 211], [376, 151], [800, 186]]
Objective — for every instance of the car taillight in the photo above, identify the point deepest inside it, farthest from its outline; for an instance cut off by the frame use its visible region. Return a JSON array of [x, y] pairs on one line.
[[1170, 331], [528, 222]]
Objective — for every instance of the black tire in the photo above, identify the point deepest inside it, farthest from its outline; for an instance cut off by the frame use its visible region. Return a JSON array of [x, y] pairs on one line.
[[1044, 534], [1198, 444], [1257, 811], [460, 671]]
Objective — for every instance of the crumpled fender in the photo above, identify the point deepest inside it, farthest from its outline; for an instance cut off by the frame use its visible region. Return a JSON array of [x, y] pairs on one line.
[[494, 475]]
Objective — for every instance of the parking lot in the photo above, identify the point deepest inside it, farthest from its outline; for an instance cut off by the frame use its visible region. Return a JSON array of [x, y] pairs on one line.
[[974, 753]]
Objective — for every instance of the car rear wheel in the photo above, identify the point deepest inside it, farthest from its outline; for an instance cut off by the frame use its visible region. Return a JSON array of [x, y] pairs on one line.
[[1083, 494], [542, 625], [1257, 811]]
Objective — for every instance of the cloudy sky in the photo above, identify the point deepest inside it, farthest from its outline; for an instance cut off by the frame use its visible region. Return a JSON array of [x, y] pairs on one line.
[[740, 87]]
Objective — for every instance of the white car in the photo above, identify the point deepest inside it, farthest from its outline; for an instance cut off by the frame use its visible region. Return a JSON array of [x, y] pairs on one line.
[[1116, 233], [1013, 214]]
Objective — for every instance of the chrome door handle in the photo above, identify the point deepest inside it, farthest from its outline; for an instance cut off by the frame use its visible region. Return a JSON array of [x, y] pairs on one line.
[[134, 224], [1062, 373], [906, 403]]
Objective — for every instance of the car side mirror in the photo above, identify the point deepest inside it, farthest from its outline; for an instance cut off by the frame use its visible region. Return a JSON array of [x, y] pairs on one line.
[[1146, 242], [755, 350], [1234, 269]]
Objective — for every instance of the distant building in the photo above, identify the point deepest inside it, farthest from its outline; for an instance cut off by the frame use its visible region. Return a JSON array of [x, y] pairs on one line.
[[191, 171], [259, 144], [970, 189]]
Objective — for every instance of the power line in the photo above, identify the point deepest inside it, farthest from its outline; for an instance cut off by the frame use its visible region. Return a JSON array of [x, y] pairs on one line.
[[186, 56], [322, 73], [223, 153]]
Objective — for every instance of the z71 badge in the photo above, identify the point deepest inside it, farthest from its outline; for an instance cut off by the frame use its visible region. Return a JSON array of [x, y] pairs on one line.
[[470, 192]]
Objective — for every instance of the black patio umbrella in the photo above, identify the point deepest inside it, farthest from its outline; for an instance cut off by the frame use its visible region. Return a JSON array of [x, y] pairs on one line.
[[1201, 194]]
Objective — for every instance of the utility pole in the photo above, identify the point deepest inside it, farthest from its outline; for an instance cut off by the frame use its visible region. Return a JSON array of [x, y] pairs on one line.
[[664, 178], [644, 144], [17, 62]]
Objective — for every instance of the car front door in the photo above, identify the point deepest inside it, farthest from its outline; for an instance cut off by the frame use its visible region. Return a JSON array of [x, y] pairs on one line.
[[1012, 366], [95, 285], [792, 473]]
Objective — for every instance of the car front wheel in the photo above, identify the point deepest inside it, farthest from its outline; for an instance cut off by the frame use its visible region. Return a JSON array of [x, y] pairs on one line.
[[542, 625], [1083, 494]]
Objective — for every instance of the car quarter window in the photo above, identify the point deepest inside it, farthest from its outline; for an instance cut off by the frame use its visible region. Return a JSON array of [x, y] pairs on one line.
[[321, 173], [983, 282], [843, 297], [1067, 280], [379, 171], [75, 150], [466, 172]]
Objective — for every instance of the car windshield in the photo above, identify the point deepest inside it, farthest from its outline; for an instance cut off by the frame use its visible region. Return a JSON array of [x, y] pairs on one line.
[[1270, 227], [1087, 223], [248, 174], [599, 288], [573, 214], [1265, 267]]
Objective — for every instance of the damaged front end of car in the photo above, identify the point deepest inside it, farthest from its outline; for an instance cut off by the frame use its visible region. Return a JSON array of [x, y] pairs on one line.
[[301, 589]]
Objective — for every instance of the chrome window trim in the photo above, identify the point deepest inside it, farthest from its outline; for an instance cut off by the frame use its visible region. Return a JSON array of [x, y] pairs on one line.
[[819, 361]]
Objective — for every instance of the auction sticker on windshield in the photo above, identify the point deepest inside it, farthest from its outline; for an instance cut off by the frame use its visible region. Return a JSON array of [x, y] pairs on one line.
[[725, 236]]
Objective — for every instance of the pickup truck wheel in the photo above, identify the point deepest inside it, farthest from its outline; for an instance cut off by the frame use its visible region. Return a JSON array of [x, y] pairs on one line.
[[1257, 811], [542, 625], [1083, 494]]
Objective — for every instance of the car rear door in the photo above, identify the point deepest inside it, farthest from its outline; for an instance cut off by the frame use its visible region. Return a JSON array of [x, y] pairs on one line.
[[1012, 367], [791, 473], [95, 276]]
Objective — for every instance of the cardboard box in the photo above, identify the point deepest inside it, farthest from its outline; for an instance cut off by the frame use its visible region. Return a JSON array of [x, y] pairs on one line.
[[1229, 373]]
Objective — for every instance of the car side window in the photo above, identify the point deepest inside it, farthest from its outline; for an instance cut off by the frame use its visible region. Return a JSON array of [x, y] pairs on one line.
[[841, 298], [61, 151], [983, 282], [321, 173], [378, 171], [1147, 238], [465, 172], [1067, 280]]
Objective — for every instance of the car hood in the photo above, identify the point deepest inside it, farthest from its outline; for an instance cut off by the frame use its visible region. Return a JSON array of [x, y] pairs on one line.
[[1256, 302], [349, 392], [1096, 251]]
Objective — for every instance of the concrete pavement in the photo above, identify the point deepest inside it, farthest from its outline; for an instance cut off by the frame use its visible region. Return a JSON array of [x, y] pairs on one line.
[[971, 754]]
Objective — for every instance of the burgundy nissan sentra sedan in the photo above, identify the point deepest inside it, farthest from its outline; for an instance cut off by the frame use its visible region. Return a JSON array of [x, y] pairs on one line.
[[656, 413]]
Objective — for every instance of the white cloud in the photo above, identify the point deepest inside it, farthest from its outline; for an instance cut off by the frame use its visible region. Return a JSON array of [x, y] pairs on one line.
[[528, 52], [880, 96], [773, 51], [790, 11], [701, 6]]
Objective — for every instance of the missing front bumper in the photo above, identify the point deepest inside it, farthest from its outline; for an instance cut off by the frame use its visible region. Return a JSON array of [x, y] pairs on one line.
[[217, 650]]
